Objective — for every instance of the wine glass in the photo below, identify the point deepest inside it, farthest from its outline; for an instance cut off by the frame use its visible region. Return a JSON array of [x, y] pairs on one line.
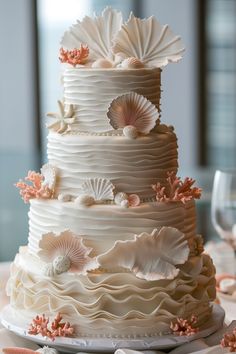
[[223, 206]]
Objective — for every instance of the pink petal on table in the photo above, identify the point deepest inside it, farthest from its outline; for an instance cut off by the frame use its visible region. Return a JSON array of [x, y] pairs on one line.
[[14, 350]]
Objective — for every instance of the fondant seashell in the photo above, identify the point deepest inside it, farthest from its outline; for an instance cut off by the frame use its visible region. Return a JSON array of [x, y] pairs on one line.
[[119, 197], [85, 200], [135, 110], [49, 173], [132, 63], [47, 350], [150, 256], [130, 132], [97, 33], [133, 200], [64, 197], [64, 248], [61, 264], [228, 285], [124, 203], [155, 45], [48, 270], [98, 188], [102, 64]]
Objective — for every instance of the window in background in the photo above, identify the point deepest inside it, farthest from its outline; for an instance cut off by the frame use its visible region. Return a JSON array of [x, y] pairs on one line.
[[54, 18], [19, 139], [220, 125]]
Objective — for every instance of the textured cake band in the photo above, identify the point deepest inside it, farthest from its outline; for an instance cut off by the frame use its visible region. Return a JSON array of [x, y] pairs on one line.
[[131, 165], [102, 225], [92, 90], [117, 304]]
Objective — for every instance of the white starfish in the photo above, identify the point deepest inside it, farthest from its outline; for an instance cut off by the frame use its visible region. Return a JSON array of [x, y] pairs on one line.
[[63, 119]]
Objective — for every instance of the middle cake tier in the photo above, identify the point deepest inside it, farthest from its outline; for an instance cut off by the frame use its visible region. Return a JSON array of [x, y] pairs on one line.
[[103, 224], [132, 165]]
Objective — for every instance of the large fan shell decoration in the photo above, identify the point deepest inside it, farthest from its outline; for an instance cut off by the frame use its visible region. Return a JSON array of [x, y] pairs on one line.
[[150, 256], [65, 252], [148, 41], [134, 113], [96, 33]]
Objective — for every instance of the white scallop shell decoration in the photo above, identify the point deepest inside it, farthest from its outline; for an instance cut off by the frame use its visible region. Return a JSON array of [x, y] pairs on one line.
[[133, 110], [153, 44], [150, 256], [97, 33], [63, 249], [49, 173], [98, 188], [132, 63]]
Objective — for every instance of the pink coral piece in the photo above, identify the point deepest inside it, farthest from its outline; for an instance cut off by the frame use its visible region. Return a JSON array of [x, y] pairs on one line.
[[36, 190], [229, 341], [133, 200], [75, 56], [40, 325], [176, 189], [183, 327], [14, 350]]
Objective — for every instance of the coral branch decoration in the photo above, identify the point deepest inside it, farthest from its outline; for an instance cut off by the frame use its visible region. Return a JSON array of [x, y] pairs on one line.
[[98, 33], [42, 185], [150, 42], [184, 327], [63, 119], [75, 56], [229, 341], [176, 190], [40, 325], [134, 113], [150, 256], [65, 252]]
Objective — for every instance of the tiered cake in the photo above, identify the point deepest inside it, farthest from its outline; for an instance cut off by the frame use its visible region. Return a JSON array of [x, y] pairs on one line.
[[112, 230]]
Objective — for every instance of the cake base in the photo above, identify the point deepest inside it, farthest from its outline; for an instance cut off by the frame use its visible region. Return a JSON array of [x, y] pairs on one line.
[[73, 345]]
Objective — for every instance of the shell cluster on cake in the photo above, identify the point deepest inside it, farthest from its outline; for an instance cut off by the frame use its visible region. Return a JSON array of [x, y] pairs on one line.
[[114, 246]]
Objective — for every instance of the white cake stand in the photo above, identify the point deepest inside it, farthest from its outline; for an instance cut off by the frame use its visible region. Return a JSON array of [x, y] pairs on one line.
[[73, 345]]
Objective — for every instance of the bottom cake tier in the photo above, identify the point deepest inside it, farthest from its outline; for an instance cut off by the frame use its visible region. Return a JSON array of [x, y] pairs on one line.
[[113, 304]]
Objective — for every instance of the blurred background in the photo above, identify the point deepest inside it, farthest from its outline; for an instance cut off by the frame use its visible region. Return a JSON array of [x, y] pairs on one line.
[[199, 94]]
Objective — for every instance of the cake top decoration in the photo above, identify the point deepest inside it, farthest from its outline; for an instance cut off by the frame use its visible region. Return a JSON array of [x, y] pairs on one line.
[[135, 44], [97, 33]]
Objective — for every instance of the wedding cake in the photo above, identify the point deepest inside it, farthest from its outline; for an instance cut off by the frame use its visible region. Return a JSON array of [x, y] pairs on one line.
[[112, 241]]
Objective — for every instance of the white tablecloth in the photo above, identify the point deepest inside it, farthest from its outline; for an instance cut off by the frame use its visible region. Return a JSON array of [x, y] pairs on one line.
[[206, 346]]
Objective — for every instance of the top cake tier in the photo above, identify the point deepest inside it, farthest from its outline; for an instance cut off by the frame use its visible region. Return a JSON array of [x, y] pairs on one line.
[[91, 92]]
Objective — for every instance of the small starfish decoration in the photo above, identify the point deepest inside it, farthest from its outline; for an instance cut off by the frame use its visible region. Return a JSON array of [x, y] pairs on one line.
[[63, 119]]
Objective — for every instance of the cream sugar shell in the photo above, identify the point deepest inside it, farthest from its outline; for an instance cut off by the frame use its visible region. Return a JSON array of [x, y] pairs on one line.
[[102, 225], [91, 91], [131, 165]]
